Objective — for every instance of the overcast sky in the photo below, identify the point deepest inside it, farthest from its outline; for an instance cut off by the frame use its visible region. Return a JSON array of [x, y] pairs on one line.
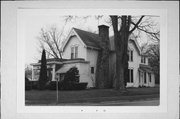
[[34, 23]]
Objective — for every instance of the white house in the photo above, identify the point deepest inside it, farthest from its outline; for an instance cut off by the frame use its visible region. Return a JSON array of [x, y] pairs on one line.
[[81, 50]]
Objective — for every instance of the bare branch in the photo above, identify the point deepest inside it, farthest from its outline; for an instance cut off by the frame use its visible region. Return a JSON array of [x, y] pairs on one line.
[[136, 25]]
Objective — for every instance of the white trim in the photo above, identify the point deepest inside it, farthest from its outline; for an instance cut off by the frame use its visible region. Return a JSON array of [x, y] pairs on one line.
[[132, 68], [136, 43], [74, 51], [129, 53], [68, 38]]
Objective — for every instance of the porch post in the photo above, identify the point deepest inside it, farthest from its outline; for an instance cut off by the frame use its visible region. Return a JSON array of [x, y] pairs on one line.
[[32, 73], [147, 76], [53, 73]]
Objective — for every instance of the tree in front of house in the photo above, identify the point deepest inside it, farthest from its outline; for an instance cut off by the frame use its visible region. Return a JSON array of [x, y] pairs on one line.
[[43, 72], [123, 27], [122, 31]]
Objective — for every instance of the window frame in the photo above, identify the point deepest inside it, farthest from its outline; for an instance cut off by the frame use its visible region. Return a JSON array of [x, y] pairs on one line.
[[145, 78], [92, 71], [131, 75], [130, 55], [74, 51], [150, 77]]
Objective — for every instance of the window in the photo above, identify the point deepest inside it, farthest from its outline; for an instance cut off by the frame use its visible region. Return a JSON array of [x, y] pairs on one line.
[[130, 74], [92, 70], [74, 52], [149, 77], [130, 55], [143, 60], [144, 77]]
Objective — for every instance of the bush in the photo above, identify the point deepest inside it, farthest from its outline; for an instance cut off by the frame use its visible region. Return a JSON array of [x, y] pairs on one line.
[[74, 86], [72, 75], [34, 85], [80, 86], [27, 84], [71, 78], [70, 82], [52, 85]]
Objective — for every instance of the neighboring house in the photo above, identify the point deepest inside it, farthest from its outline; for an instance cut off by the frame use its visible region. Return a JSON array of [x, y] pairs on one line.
[[81, 50]]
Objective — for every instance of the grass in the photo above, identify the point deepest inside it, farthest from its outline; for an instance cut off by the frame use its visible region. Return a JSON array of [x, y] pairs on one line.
[[48, 97]]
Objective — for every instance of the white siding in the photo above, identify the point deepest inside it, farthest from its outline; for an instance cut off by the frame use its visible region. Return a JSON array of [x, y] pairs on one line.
[[81, 49], [92, 58], [83, 72], [134, 65]]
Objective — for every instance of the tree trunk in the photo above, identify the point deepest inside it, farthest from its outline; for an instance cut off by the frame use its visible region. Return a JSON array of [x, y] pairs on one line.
[[121, 45]]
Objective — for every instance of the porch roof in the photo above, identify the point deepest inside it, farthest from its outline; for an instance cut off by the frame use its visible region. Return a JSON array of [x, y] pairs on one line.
[[63, 70], [67, 61], [145, 68]]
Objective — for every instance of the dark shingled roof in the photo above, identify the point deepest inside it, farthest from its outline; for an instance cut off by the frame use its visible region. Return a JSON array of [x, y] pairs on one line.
[[90, 39]]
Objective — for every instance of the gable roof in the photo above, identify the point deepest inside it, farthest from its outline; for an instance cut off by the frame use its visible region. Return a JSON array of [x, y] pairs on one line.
[[92, 40], [88, 39]]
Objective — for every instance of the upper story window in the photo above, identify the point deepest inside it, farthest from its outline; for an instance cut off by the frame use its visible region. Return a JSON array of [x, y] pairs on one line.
[[130, 55], [143, 59], [74, 52]]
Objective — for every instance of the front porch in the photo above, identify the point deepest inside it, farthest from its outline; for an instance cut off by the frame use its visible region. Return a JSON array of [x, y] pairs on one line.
[[56, 70], [146, 76]]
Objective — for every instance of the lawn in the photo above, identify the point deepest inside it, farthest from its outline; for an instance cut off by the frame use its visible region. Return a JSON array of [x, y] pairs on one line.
[[48, 97]]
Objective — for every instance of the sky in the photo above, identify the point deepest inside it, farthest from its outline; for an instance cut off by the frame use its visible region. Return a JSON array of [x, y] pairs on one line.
[[34, 23]]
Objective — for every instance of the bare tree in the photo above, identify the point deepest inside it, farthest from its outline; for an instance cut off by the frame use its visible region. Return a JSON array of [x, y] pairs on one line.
[[123, 27], [122, 32], [50, 41]]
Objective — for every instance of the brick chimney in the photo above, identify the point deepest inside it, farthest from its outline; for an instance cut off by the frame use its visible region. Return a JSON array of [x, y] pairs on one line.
[[102, 75], [104, 32]]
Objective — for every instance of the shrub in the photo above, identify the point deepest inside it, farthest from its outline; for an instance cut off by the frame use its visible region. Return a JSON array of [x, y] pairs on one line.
[[71, 78], [80, 86], [27, 84], [72, 75], [34, 85], [52, 85]]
